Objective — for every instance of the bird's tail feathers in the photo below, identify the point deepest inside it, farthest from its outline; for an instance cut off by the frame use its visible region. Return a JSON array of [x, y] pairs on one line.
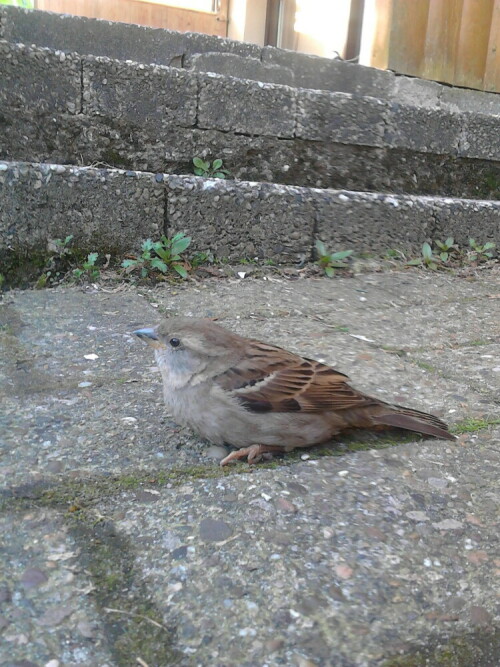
[[414, 420]]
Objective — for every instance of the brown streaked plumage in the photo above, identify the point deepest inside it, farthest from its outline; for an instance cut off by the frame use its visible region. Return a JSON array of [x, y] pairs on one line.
[[261, 398]]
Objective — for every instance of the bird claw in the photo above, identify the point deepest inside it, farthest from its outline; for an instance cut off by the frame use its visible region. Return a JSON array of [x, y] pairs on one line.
[[253, 454]]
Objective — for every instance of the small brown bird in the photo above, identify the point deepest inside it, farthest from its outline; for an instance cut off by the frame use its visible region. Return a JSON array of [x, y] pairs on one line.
[[261, 398]]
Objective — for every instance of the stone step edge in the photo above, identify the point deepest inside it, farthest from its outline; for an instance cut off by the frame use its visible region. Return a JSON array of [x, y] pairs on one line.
[[112, 210], [208, 53], [162, 98]]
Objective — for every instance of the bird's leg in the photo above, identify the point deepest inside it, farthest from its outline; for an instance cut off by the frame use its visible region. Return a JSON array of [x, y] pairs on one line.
[[253, 453]]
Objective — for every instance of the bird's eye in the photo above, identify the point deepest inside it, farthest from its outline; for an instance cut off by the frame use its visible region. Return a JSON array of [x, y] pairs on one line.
[[174, 342]]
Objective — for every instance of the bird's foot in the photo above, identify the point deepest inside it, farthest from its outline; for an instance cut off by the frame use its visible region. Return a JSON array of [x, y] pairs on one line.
[[253, 454]]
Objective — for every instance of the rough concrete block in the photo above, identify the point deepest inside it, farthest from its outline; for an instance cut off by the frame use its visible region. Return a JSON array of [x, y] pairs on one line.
[[122, 41], [371, 222], [481, 136], [116, 143], [33, 77], [144, 95], [243, 67], [416, 92], [236, 105], [340, 117], [474, 101], [421, 129], [105, 210], [467, 218], [238, 220], [109, 142], [331, 74]]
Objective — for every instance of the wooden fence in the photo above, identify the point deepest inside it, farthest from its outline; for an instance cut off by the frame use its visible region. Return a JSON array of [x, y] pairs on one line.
[[153, 14], [454, 41]]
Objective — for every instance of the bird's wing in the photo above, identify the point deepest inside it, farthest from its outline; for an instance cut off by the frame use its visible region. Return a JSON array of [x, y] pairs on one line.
[[270, 379]]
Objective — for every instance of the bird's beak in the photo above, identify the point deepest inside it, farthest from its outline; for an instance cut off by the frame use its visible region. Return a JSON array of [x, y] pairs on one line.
[[147, 335]]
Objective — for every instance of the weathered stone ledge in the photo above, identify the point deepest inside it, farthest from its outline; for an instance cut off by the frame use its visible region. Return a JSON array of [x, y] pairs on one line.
[[111, 210], [206, 53]]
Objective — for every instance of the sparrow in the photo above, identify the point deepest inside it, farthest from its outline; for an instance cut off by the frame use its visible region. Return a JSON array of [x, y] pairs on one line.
[[261, 398]]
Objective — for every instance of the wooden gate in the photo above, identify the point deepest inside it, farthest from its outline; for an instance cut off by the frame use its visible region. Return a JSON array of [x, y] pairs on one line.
[[454, 41], [155, 13]]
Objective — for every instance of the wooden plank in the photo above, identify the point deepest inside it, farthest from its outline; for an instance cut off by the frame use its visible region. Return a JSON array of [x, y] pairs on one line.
[[491, 81], [470, 60], [144, 13], [408, 36], [441, 45], [375, 40], [354, 28]]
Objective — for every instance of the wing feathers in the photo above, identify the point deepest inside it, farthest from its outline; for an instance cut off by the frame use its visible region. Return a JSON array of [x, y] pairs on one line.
[[270, 379]]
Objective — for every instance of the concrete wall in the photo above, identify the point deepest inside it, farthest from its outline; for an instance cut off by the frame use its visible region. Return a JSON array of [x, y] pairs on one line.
[[206, 53], [113, 211], [66, 108]]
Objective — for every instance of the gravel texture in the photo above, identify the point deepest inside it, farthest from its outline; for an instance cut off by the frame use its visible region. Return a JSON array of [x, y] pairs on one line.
[[340, 117], [146, 96], [42, 78], [242, 219], [116, 141], [336, 562], [246, 107], [47, 612], [424, 130], [62, 107], [113, 211], [104, 210], [213, 54]]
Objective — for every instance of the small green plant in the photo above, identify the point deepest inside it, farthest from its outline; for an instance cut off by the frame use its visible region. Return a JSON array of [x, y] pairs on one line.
[[61, 247], [451, 255], [2, 280], [331, 261], [428, 259], [88, 269], [161, 255], [447, 248], [478, 252], [200, 258], [213, 170], [392, 253]]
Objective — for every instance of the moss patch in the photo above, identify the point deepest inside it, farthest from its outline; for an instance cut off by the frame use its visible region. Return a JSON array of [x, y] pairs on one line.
[[472, 425], [113, 158], [75, 496], [480, 649], [425, 366], [133, 625]]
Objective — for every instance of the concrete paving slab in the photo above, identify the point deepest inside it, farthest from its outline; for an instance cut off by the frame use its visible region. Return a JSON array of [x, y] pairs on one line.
[[480, 363], [333, 562], [71, 385], [125, 543], [47, 613]]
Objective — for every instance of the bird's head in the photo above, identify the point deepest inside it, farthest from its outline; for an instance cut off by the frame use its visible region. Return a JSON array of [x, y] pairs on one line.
[[188, 347]]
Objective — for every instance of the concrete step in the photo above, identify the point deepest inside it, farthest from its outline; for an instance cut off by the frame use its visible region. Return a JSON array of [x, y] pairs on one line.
[[123, 41], [109, 210], [67, 108]]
